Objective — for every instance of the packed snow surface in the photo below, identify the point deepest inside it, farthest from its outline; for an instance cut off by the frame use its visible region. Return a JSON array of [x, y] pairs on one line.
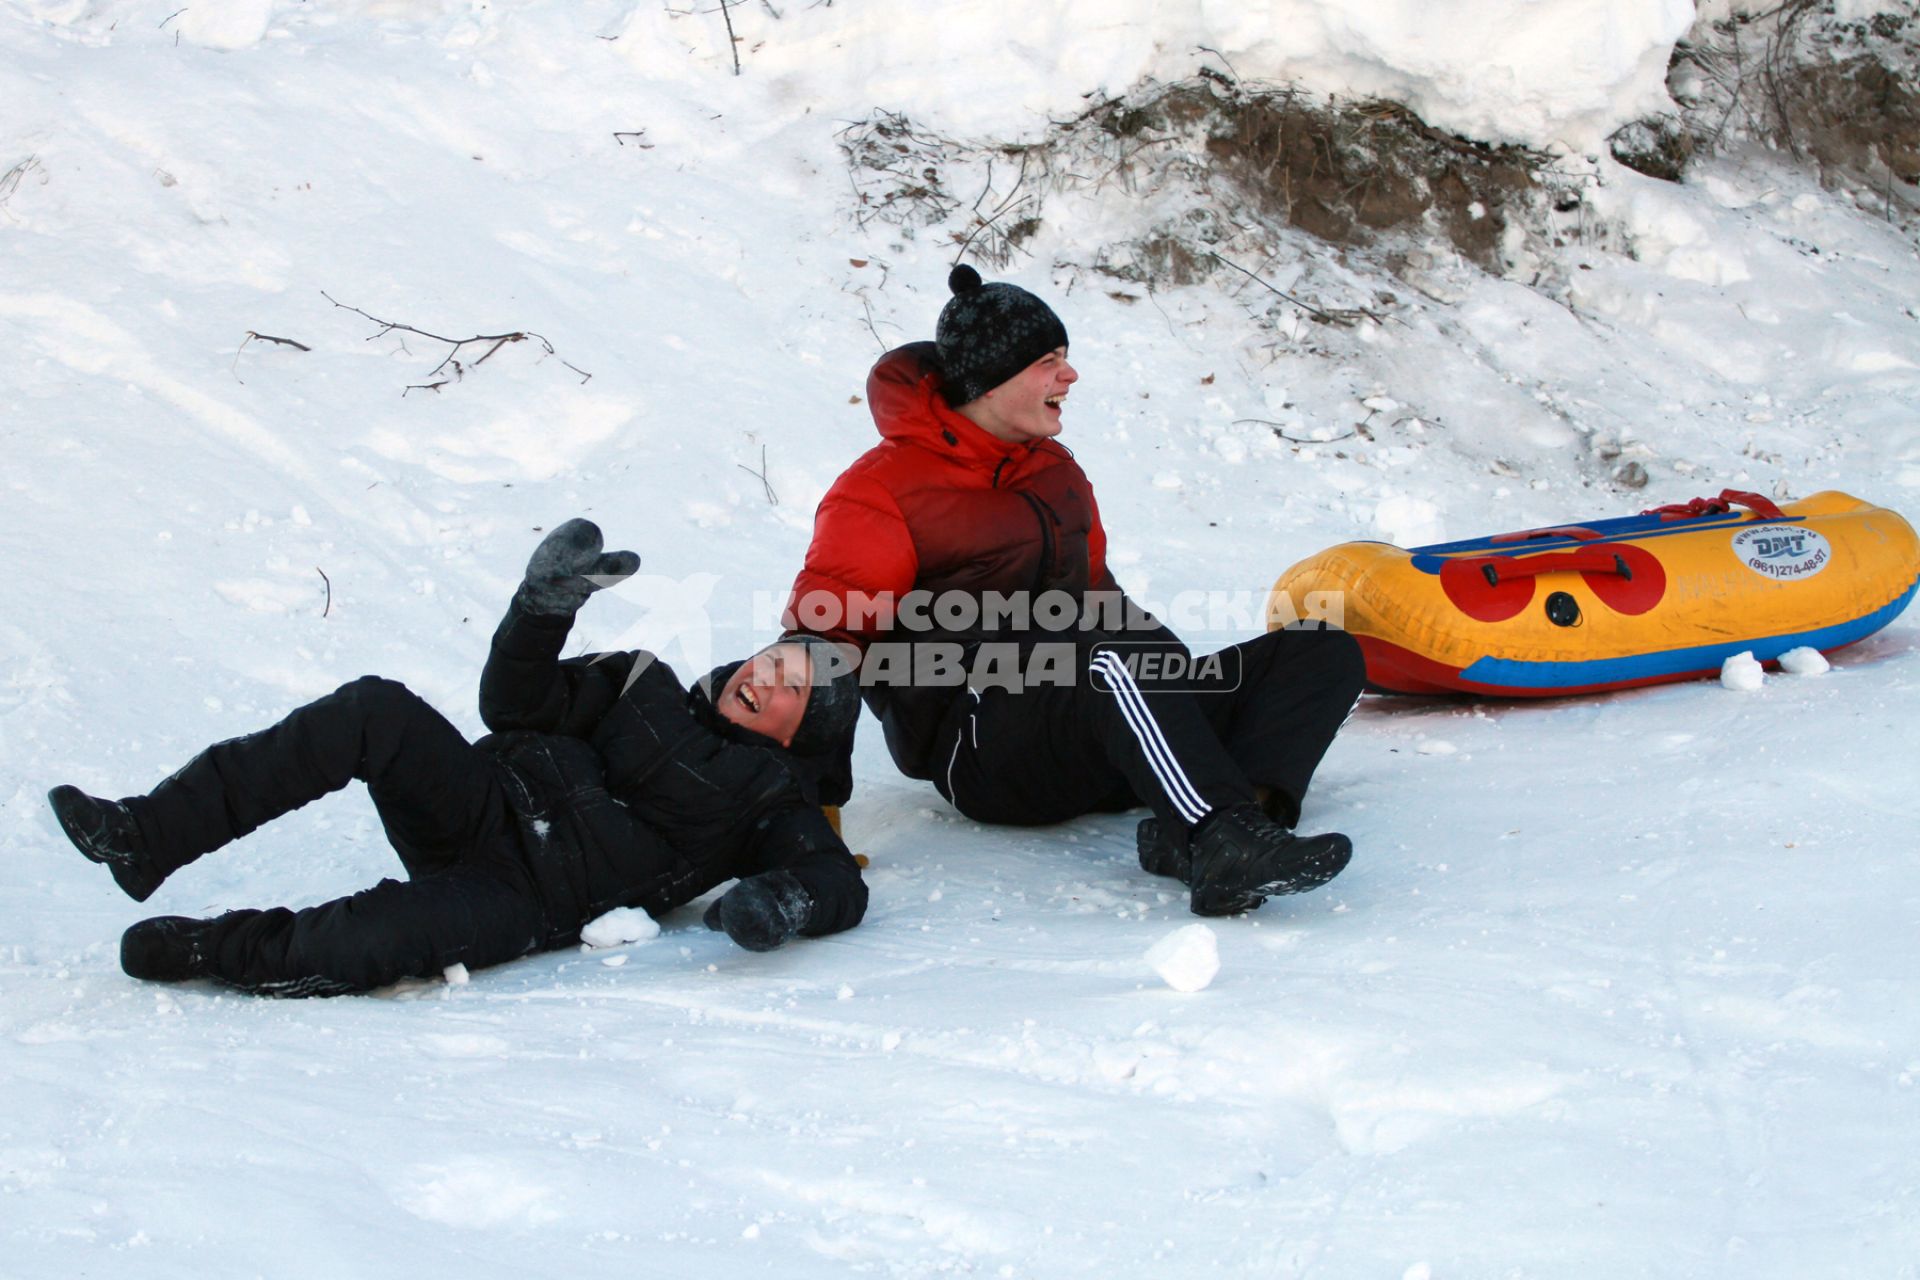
[[1550, 72], [1621, 985]]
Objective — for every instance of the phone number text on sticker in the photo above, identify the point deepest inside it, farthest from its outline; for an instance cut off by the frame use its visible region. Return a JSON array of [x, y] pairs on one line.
[[1782, 551]]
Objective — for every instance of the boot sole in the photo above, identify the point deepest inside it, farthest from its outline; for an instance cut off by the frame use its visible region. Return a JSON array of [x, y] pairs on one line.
[[133, 881], [1316, 871]]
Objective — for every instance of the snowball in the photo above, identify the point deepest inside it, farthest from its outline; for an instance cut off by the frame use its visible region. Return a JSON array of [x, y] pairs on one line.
[[620, 925], [456, 975], [1407, 521], [231, 24], [1742, 672], [1186, 959], [1804, 661]]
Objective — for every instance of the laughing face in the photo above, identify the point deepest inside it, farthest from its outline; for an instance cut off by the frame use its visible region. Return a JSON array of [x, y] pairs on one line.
[[768, 693], [1026, 407]]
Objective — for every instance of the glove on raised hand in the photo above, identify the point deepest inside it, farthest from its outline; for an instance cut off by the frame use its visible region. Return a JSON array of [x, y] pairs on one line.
[[762, 911], [557, 583]]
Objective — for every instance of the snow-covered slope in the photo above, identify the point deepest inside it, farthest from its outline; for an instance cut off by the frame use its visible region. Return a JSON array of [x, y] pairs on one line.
[[1619, 986]]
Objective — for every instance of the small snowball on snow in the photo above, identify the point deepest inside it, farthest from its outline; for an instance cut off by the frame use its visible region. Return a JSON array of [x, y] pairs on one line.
[[1742, 672], [619, 926], [1804, 661], [456, 975], [239, 24], [1186, 959], [1407, 521], [1436, 747]]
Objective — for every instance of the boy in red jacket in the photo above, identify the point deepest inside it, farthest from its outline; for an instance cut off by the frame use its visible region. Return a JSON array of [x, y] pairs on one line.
[[964, 555]]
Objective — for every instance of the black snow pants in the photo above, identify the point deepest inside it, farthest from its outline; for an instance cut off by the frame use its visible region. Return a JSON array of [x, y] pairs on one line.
[[445, 804], [1129, 730]]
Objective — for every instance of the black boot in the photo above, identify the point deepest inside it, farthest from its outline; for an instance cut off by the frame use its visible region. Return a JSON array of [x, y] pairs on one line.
[[166, 949], [1165, 855], [1241, 857], [1160, 856], [104, 832], [1171, 854]]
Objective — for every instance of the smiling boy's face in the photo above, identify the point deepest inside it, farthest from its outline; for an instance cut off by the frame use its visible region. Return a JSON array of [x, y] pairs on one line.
[[1026, 407], [768, 693]]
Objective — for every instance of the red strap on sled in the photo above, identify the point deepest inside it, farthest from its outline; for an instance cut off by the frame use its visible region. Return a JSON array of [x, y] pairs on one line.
[[1625, 578], [1585, 560], [1728, 499], [1579, 533]]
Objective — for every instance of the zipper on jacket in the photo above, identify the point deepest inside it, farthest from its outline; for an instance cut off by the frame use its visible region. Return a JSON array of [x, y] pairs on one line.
[[1044, 514]]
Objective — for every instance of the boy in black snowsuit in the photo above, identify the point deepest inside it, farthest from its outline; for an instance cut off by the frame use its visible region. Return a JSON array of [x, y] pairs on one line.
[[604, 784]]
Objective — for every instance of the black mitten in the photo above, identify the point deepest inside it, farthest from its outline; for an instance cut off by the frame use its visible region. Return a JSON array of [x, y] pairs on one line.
[[762, 911], [568, 566]]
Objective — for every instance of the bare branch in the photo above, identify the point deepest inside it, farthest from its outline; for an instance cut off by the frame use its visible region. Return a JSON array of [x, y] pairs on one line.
[[261, 337], [773, 500], [868, 308], [1209, 72], [455, 346], [733, 41], [10, 180], [1345, 317], [285, 342], [1278, 430]]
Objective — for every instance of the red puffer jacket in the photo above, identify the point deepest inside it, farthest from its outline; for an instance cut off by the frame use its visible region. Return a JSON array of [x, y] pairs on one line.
[[939, 505]]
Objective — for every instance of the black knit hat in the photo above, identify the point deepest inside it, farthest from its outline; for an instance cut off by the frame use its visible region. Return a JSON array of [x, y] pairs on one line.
[[989, 332], [834, 705]]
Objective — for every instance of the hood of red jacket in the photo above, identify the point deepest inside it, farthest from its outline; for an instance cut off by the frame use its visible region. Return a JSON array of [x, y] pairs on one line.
[[903, 390]]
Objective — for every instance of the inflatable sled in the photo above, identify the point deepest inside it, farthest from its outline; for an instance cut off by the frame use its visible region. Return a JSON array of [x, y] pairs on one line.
[[1669, 594]]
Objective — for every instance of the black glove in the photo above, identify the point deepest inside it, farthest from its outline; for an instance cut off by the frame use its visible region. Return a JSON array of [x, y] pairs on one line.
[[762, 911], [558, 580]]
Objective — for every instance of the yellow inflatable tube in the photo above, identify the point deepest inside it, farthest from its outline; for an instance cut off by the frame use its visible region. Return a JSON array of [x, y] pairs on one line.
[[1669, 594]]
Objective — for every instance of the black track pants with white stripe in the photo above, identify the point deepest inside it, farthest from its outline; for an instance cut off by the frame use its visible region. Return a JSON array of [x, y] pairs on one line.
[[468, 898], [1122, 733]]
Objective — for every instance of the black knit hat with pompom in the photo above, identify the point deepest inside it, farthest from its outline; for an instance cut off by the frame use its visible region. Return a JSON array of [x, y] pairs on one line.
[[834, 705], [989, 332]]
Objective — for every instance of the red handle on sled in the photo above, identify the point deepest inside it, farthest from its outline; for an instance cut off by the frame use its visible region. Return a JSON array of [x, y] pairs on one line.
[[1585, 560], [1728, 499], [1579, 533]]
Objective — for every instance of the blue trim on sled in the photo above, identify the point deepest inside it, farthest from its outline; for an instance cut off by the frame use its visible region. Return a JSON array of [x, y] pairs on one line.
[[1700, 659], [1618, 529]]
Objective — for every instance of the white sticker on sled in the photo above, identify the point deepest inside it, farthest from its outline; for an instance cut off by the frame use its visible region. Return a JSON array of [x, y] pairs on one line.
[[1782, 552]]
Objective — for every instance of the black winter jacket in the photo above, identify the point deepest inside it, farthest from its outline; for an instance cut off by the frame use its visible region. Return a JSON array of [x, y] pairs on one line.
[[597, 742]]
